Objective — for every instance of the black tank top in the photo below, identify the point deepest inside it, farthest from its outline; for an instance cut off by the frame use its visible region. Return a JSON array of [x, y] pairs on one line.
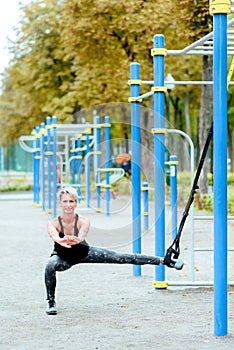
[[77, 251]]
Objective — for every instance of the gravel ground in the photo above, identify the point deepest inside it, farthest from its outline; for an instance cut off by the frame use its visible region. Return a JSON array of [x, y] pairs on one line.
[[102, 306]]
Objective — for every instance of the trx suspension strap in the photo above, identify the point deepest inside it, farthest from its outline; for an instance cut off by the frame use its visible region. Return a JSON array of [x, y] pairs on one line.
[[175, 246]]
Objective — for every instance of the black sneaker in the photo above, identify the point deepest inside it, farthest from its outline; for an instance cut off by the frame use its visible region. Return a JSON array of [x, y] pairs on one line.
[[51, 308]]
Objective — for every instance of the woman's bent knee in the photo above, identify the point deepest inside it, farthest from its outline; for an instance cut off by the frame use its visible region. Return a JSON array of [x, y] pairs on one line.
[[55, 263]]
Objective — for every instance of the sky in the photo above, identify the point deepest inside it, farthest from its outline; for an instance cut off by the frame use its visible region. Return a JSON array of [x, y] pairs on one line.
[[9, 17]]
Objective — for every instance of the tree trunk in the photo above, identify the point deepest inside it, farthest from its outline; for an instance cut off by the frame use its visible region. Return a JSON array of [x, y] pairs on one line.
[[187, 117], [205, 117], [174, 138], [188, 132]]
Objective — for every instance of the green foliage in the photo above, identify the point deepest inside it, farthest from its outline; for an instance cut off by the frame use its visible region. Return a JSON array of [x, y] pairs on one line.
[[230, 179], [231, 202], [15, 183], [205, 202], [16, 188], [184, 178]]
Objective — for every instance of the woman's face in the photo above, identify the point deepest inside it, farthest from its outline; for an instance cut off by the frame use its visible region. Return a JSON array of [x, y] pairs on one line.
[[68, 203]]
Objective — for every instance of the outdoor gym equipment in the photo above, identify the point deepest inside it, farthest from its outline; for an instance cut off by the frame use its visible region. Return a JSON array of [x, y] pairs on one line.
[[62, 153], [219, 45]]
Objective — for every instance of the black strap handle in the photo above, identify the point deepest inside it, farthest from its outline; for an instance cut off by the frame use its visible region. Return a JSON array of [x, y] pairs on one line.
[[174, 248]]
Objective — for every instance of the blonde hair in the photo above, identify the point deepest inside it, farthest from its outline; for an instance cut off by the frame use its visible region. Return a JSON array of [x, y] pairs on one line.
[[68, 190]]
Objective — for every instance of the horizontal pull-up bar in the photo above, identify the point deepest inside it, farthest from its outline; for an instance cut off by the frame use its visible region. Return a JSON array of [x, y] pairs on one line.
[[182, 82]]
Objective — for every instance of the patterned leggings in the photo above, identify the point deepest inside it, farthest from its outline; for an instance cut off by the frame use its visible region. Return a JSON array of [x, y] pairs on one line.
[[95, 255]]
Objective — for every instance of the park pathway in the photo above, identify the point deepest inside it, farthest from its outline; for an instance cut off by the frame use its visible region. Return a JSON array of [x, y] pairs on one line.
[[99, 306]]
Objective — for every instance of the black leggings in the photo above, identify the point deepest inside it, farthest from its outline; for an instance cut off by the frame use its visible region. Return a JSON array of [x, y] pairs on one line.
[[95, 255]]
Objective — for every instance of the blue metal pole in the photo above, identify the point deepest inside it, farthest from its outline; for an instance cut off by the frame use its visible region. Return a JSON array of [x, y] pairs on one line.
[[76, 162], [73, 161], [37, 167], [98, 157], [88, 169], [49, 154], [42, 132], [79, 156], [135, 163], [54, 136], [220, 173], [173, 183], [107, 161], [34, 166], [145, 189], [158, 54]]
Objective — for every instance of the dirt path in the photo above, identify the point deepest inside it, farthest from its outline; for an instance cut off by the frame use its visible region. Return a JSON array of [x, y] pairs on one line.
[[100, 306]]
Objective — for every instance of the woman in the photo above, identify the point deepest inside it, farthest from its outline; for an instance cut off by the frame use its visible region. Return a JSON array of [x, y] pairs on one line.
[[69, 232]]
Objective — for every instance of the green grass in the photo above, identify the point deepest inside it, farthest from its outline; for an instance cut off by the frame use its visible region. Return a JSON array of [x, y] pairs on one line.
[[204, 202], [19, 182]]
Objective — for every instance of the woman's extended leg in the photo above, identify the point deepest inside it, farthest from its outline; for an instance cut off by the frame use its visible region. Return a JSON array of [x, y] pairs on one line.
[[106, 256]]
